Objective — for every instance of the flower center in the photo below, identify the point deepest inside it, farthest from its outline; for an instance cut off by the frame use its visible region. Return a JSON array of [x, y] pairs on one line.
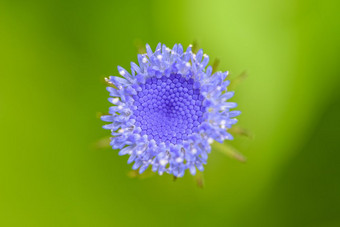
[[168, 109]]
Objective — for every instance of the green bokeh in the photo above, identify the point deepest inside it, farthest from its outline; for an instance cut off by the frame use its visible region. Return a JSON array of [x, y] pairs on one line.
[[54, 55]]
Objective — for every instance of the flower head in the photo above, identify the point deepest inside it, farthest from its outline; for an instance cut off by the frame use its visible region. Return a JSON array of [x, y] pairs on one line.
[[169, 110]]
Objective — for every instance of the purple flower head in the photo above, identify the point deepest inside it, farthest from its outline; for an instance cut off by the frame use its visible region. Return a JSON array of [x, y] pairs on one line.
[[168, 110]]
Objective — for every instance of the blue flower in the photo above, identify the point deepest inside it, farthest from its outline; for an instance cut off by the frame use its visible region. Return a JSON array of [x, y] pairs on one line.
[[168, 110]]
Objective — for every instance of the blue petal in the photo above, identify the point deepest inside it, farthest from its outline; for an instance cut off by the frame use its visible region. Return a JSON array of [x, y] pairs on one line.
[[148, 50]]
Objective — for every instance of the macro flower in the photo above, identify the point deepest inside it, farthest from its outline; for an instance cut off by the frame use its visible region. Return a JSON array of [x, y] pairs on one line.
[[168, 110]]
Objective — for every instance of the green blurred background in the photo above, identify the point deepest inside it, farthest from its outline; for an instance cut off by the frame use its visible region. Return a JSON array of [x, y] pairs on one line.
[[54, 55]]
